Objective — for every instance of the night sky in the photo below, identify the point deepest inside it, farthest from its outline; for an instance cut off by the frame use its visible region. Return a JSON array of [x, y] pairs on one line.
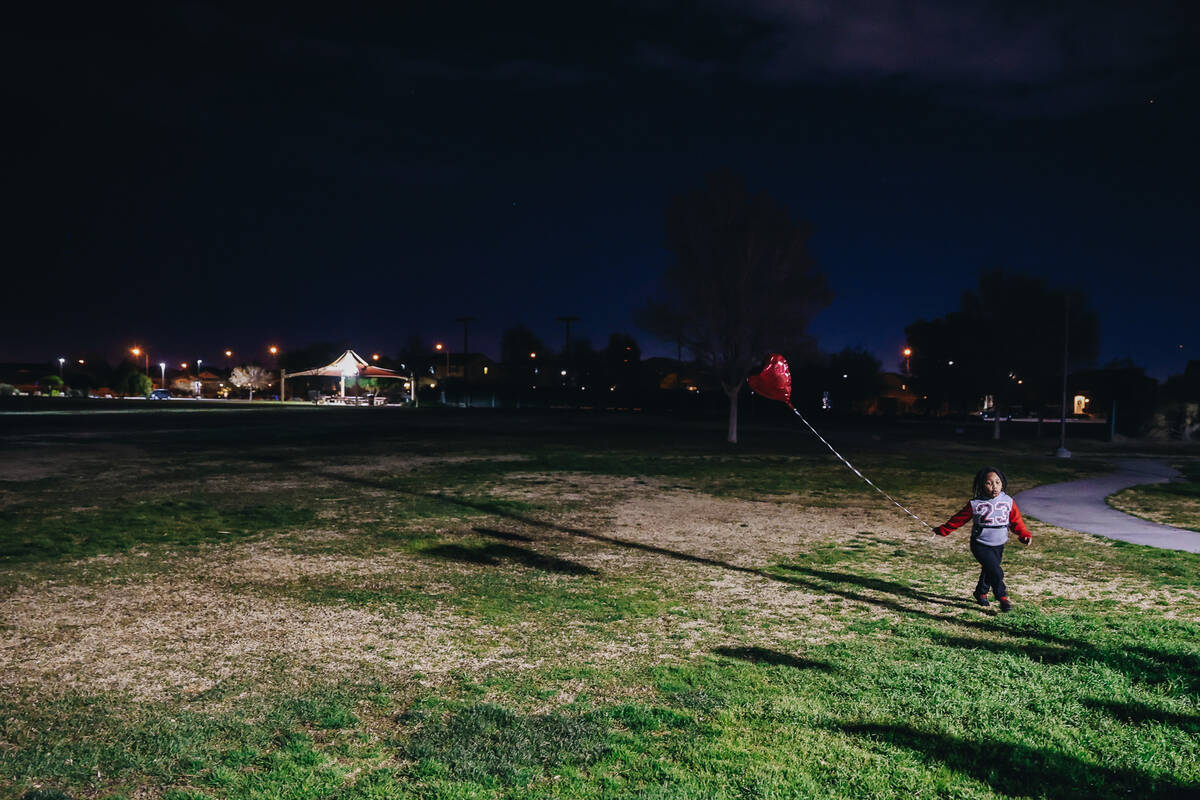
[[192, 177]]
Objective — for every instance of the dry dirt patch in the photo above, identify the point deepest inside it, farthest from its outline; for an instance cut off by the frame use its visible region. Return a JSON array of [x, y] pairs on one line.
[[203, 620]]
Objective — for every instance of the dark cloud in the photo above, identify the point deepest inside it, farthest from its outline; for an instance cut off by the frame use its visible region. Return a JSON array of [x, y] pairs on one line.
[[1003, 56], [177, 150]]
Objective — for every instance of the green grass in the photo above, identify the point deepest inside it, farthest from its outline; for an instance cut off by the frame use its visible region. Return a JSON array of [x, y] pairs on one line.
[[1176, 503], [1034, 706], [33, 533], [624, 676]]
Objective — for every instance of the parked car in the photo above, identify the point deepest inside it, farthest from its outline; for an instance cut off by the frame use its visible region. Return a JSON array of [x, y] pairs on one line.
[[160, 394]]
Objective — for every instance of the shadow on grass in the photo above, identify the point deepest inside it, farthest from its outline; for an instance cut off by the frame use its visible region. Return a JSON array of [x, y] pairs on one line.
[[878, 585], [1021, 770], [1137, 713], [486, 742], [761, 655], [1042, 653], [495, 554], [1137, 661], [505, 535]]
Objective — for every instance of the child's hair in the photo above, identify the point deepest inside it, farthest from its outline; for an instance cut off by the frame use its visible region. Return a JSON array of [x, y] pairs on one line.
[[981, 479]]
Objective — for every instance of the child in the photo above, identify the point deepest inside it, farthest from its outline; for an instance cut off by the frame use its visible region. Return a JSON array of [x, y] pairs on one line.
[[992, 512]]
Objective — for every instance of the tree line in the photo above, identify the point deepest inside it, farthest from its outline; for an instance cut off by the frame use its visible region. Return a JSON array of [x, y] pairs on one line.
[[742, 283]]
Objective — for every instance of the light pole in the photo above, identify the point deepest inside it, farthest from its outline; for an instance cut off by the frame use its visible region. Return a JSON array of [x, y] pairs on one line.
[[567, 320], [412, 384], [61, 361], [1062, 451], [163, 366], [199, 384], [441, 347], [465, 322], [137, 351], [907, 356]]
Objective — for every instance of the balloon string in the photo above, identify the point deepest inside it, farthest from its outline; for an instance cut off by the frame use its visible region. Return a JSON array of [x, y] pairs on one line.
[[855, 471]]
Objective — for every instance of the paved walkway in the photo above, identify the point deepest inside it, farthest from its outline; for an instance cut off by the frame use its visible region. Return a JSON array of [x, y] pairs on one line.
[[1080, 506]]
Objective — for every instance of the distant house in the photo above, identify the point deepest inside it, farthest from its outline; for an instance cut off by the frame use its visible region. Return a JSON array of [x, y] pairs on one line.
[[897, 397], [474, 367], [25, 376], [210, 383]]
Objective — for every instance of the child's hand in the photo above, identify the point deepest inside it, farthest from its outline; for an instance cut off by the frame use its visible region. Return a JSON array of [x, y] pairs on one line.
[[1025, 539], [940, 530]]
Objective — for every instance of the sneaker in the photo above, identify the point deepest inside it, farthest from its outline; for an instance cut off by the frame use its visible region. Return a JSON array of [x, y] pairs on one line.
[[1005, 605], [981, 599]]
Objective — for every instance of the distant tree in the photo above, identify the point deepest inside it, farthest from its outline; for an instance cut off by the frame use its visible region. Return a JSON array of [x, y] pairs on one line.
[[622, 349], [741, 284], [856, 379], [518, 342], [51, 383], [121, 376], [251, 377], [1006, 340], [622, 360], [140, 384], [940, 363]]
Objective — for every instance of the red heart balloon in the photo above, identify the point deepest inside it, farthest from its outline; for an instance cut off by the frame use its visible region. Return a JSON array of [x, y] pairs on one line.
[[775, 381]]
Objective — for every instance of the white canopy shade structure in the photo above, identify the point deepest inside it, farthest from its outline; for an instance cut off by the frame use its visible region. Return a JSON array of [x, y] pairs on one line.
[[348, 365]]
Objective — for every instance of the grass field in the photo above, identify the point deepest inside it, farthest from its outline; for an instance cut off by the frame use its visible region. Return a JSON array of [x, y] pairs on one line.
[[1176, 503], [363, 604]]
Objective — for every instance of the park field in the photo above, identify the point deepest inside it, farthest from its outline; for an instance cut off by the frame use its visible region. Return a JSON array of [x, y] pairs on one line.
[[447, 603]]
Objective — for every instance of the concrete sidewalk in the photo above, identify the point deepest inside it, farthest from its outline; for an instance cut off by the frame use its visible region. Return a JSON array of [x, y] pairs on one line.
[[1080, 506]]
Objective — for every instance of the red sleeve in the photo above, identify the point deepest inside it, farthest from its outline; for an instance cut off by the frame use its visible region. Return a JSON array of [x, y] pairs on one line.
[[956, 522], [1017, 523]]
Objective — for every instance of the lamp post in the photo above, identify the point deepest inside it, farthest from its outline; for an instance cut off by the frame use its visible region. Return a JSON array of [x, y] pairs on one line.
[[61, 361], [465, 322], [907, 356], [441, 347], [138, 351], [1062, 451], [199, 385]]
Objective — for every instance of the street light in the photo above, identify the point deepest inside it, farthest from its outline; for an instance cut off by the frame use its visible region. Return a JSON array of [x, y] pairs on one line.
[[907, 356], [61, 361], [163, 366], [440, 347], [137, 351]]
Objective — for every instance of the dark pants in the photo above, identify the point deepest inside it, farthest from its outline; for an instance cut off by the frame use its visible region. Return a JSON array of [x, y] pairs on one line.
[[992, 575]]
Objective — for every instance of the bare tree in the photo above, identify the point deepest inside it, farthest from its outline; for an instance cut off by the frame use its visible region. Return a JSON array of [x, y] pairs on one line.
[[251, 377], [742, 282]]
